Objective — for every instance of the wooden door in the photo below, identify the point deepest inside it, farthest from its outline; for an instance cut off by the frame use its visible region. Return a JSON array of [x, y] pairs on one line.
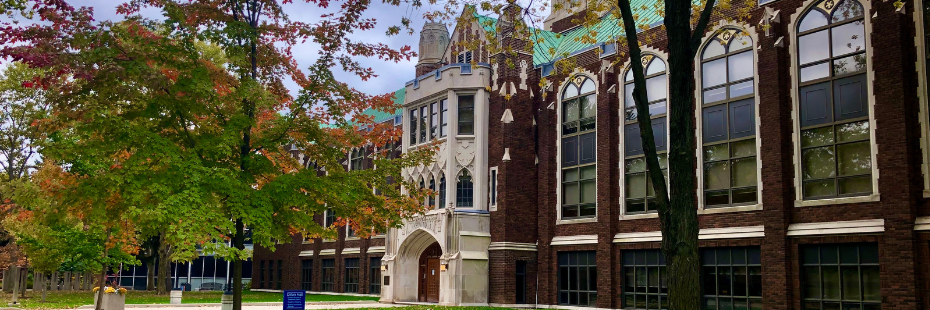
[[428, 276], [421, 282], [432, 280]]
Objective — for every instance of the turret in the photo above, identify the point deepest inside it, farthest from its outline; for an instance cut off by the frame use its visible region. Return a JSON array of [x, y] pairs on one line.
[[434, 38]]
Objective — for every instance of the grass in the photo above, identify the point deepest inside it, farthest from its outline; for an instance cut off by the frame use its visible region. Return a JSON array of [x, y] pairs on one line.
[[70, 300]]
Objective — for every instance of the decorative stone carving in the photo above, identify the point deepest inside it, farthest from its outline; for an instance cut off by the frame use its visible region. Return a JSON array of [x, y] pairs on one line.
[[431, 223], [523, 75], [465, 153]]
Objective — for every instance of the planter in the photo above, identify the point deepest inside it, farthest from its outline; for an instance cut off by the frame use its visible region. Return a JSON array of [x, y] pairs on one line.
[[176, 297], [227, 301], [111, 301]]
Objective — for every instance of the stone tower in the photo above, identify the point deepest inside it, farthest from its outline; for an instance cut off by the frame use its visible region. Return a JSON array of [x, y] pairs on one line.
[[434, 38]]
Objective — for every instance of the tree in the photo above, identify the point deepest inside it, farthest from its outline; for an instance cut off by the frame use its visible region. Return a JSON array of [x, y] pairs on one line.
[[21, 108], [685, 23], [146, 118]]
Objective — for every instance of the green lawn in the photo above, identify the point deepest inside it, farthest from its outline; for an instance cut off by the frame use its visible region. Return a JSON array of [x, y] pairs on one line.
[[69, 300]]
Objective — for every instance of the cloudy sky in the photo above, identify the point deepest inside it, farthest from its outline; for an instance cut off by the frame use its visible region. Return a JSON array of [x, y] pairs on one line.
[[391, 76]]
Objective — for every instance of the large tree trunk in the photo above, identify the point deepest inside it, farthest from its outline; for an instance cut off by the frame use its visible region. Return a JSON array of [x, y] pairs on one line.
[[53, 282], [102, 281], [676, 203], [150, 274], [24, 279], [239, 243], [8, 280], [44, 286], [164, 267]]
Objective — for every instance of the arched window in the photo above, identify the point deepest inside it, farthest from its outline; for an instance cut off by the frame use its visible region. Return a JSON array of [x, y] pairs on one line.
[[421, 188], [356, 160], [442, 190], [431, 201], [833, 106], [579, 166], [464, 191], [728, 120], [638, 193]]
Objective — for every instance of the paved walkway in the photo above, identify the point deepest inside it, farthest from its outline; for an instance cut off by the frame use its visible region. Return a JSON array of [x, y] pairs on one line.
[[264, 306]]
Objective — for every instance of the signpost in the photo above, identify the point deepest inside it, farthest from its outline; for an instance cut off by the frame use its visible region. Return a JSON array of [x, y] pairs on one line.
[[295, 300]]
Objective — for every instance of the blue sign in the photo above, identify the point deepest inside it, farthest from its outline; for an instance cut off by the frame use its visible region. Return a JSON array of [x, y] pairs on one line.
[[295, 300]]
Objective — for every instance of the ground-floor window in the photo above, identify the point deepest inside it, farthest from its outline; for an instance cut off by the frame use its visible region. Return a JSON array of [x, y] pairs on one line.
[[280, 274], [577, 278], [374, 276], [844, 276], [645, 282], [261, 274], [351, 283], [329, 275], [270, 274], [306, 274], [732, 278]]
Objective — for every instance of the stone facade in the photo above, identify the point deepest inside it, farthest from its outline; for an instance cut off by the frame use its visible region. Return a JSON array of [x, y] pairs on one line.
[[516, 145]]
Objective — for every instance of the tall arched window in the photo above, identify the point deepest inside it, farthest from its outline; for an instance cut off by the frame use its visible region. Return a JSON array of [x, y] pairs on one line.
[[422, 186], [464, 191], [728, 120], [834, 117], [442, 190], [579, 167], [431, 201], [638, 186]]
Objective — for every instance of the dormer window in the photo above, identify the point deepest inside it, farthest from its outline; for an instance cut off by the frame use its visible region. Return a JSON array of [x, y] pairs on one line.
[[464, 57]]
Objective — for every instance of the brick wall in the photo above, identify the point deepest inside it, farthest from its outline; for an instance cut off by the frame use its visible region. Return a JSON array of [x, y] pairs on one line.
[[527, 201]]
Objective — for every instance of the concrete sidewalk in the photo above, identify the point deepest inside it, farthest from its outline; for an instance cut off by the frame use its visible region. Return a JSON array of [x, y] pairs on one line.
[[263, 306]]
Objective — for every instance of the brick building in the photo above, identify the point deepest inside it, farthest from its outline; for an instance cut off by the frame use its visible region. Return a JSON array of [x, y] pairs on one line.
[[812, 190]]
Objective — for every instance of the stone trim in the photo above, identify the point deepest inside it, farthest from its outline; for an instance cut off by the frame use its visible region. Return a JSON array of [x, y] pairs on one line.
[[732, 232], [376, 249], [512, 246], [922, 223], [704, 234], [351, 251], [328, 252], [837, 228], [574, 240], [306, 253]]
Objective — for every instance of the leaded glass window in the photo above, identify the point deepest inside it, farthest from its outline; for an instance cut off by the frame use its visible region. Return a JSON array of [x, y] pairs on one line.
[[464, 191], [844, 276], [578, 141], [836, 154], [351, 275], [374, 276], [645, 280], [329, 275], [356, 161], [732, 278], [577, 278], [729, 120], [466, 115], [639, 194], [442, 191], [306, 274]]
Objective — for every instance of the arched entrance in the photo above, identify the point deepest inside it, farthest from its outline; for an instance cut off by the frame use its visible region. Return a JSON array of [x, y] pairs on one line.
[[428, 275]]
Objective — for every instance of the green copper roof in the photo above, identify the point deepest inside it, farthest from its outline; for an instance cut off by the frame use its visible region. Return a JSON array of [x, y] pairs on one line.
[[381, 116], [549, 46]]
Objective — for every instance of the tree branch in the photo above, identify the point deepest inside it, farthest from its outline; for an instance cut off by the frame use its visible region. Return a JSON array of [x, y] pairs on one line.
[[701, 27]]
